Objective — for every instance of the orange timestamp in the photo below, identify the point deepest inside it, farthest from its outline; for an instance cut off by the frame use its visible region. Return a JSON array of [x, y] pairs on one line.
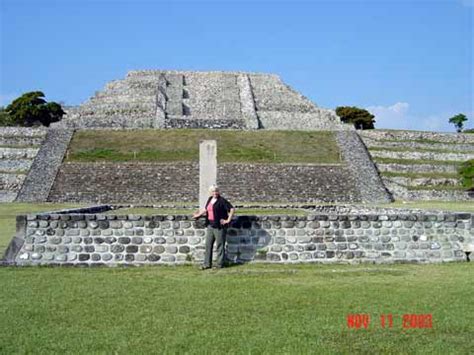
[[407, 321]]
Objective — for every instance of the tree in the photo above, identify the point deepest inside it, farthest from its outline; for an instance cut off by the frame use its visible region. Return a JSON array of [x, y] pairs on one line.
[[5, 119], [32, 109], [360, 118], [458, 121]]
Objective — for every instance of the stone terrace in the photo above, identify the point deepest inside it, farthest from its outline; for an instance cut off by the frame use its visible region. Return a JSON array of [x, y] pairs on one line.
[[186, 99], [18, 149], [420, 165]]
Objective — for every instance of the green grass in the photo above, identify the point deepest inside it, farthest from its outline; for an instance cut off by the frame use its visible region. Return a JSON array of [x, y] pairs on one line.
[[414, 161], [439, 175], [183, 145], [9, 211], [246, 309], [461, 206], [16, 172]]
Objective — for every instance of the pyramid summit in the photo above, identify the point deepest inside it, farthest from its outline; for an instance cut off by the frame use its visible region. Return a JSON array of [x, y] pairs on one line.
[[191, 99]]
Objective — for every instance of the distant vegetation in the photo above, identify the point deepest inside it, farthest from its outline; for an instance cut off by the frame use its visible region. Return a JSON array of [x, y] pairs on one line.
[[360, 118], [466, 170], [458, 121], [31, 109]]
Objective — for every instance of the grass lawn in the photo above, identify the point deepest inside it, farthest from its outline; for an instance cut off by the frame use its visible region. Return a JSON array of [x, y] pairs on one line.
[[183, 145], [242, 309]]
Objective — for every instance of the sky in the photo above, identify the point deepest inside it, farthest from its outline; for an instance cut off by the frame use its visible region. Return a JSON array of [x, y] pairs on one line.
[[409, 62]]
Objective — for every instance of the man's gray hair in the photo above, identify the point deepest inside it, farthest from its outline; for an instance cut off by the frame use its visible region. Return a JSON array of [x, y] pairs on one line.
[[213, 188]]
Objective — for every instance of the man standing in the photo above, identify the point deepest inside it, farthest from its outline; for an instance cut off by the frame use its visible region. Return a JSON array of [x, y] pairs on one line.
[[218, 212]]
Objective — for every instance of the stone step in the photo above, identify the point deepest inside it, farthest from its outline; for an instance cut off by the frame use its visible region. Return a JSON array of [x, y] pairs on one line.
[[23, 132], [371, 143], [20, 141], [135, 99], [425, 181], [397, 135], [455, 157], [7, 196], [15, 165], [11, 182], [400, 192], [18, 153], [416, 168]]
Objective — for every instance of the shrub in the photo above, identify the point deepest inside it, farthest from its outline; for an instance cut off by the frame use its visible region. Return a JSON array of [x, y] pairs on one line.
[[466, 170]]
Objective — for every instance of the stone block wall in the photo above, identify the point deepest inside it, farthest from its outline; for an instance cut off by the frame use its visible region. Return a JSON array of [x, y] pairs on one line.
[[179, 182], [100, 239], [18, 149]]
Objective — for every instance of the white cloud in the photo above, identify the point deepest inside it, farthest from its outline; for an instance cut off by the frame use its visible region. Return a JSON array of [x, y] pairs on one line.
[[394, 116], [398, 116]]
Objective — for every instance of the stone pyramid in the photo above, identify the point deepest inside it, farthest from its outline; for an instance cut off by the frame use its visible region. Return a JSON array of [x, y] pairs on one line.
[[188, 99]]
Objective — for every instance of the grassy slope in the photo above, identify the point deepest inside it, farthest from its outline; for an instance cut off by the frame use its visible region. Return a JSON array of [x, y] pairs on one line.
[[250, 308], [183, 145]]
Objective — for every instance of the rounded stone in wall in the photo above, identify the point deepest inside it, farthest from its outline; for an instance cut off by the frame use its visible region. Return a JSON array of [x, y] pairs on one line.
[[168, 258], [140, 257], [184, 249], [117, 248], [171, 249], [129, 257], [124, 240], [293, 256], [36, 256], [107, 257], [145, 249], [159, 249], [84, 257], [101, 248], [137, 240], [131, 249], [153, 257]]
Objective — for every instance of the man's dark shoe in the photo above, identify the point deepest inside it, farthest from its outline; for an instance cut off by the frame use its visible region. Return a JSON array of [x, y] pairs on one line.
[[204, 267]]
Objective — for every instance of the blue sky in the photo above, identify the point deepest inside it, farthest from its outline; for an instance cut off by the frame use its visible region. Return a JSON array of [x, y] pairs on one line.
[[408, 62]]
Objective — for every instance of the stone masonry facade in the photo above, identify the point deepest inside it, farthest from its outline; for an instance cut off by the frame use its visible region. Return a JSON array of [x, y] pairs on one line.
[[179, 182], [101, 239], [188, 99]]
